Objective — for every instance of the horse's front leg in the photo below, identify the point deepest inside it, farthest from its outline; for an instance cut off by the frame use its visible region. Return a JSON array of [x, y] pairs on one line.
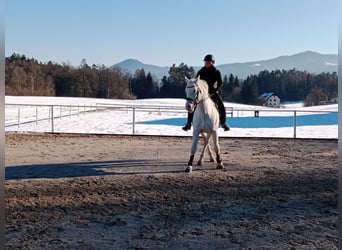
[[206, 138], [219, 164], [193, 151]]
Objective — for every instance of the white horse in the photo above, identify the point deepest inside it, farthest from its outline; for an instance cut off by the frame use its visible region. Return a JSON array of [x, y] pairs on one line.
[[206, 120]]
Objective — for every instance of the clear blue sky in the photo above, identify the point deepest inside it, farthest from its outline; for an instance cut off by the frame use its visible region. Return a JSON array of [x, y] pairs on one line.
[[166, 32]]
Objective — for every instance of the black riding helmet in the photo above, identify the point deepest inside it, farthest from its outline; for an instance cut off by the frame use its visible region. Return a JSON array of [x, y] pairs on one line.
[[209, 58]]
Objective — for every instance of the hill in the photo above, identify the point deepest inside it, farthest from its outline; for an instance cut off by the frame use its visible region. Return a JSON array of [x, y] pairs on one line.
[[309, 61], [131, 65]]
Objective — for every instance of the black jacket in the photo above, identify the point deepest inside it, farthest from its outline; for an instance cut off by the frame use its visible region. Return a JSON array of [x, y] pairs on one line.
[[211, 75]]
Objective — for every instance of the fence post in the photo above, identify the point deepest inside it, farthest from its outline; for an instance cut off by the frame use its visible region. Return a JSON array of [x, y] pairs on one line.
[[36, 114], [133, 132], [19, 117], [294, 124], [52, 120]]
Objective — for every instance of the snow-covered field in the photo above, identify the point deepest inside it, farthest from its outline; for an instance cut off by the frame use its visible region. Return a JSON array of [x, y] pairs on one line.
[[162, 117]]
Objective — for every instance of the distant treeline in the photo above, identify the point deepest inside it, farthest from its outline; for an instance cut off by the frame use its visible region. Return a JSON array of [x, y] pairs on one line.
[[25, 76]]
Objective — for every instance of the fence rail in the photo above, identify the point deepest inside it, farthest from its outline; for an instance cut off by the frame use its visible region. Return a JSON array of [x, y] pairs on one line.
[[17, 115]]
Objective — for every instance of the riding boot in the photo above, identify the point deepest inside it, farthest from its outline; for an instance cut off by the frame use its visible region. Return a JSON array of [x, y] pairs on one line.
[[222, 112], [188, 123]]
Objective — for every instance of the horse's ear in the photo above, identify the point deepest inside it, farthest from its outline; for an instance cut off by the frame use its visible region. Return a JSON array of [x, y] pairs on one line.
[[187, 80]]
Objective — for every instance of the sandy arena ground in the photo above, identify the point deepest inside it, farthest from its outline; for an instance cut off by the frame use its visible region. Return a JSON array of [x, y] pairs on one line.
[[117, 192]]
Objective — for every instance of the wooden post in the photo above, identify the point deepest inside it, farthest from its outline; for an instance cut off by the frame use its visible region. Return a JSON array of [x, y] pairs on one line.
[[133, 132], [52, 120]]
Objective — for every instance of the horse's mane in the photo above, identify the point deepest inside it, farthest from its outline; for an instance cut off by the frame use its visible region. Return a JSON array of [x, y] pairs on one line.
[[203, 85]]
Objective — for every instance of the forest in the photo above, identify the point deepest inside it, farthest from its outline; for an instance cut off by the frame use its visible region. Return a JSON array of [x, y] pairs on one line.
[[28, 77]]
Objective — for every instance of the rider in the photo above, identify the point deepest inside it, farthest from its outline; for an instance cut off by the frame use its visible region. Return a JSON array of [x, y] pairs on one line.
[[213, 77]]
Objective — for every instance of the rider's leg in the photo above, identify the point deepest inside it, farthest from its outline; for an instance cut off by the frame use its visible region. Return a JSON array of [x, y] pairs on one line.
[[188, 123], [222, 111]]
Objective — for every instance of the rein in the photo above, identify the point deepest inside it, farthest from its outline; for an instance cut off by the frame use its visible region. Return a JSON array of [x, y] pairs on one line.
[[198, 102]]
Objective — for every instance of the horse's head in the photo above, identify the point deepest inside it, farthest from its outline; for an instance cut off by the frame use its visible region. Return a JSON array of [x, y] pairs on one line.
[[196, 91], [191, 92]]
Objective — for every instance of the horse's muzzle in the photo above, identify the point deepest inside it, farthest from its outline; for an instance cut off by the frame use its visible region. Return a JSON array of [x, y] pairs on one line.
[[190, 105]]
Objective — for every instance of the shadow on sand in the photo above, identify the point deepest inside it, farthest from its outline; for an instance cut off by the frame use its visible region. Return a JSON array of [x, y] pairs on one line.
[[99, 168]]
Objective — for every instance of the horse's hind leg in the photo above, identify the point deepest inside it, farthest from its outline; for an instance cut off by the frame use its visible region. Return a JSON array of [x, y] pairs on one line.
[[210, 152], [206, 145], [219, 164]]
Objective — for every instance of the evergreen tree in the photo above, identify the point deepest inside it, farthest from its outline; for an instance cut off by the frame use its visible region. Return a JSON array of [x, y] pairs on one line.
[[225, 90], [249, 91], [174, 85], [138, 83]]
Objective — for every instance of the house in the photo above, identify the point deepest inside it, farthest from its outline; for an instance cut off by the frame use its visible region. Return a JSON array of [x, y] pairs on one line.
[[270, 100]]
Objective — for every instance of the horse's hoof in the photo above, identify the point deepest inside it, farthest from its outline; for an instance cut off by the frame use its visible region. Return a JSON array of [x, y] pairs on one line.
[[188, 169], [199, 163], [219, 166]]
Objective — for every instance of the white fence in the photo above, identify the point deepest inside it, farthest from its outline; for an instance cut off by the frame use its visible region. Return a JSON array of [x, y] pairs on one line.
[[26, 117], [17, 115]]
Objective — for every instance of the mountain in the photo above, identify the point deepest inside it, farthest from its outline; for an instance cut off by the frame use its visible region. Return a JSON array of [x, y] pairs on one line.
[[131, 65], [310, 61]]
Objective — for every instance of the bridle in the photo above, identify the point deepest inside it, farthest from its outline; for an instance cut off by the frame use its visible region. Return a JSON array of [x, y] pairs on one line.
[[195, 101], [196, 95]]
